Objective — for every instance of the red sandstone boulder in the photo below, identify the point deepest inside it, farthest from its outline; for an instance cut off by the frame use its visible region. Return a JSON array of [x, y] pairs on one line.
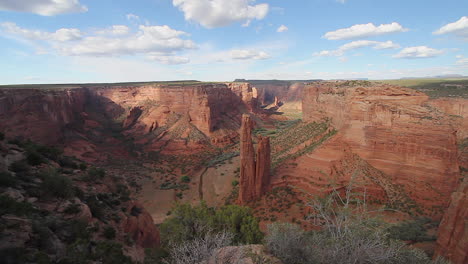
[[140, 226]]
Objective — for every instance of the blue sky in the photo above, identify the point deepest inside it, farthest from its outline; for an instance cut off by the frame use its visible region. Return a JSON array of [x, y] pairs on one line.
[[58, 41]]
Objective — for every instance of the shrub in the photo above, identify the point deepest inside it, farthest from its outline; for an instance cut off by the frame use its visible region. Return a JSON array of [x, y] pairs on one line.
[[185, 179], [200, 249], [83, 166], [95, 174], [19, 166], [190, 222], [6, 179], [108, 252], [235, 183], [288, 242], [56, 185], [49, 152], [411, 230], [35, 158], [9, 206], [109, 232]]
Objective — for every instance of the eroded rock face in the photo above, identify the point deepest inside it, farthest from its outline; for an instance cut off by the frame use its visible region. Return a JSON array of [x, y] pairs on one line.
[[393, 130], [254, 168], [157, 117], [452, 239], [141, 228]]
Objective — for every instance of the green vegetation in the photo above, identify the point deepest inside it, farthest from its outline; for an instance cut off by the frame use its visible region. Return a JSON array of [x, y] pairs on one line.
[[7, 179], [185, 179], [190, 222], [109, 232], [293, 136], [10, 206], [56, 185], [435, 88], [415, 230], [235, 183]]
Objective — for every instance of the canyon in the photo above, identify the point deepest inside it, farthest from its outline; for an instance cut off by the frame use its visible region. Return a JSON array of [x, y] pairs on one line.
[[241, 142]]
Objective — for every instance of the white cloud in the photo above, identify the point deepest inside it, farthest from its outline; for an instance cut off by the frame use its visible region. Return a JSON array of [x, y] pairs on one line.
[[249, 55], [61, 35], [364, 30], [132, 17], [114, 41], [418, 52], [218, 13], [115, 30], [282, 28], [167, 59], [459, 28], [43, 7], [356, 45], [147, 39]]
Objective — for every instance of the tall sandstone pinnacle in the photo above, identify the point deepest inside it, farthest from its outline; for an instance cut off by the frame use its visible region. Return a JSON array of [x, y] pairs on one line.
[[254, 169]]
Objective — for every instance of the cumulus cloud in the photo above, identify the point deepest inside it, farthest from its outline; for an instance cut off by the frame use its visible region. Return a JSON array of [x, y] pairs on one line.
[[356, 45], [147, 39], [43, 7], [243, 54], [158, 43], [219, 13], [364, 30], [418, 52], [282, 28], [61, 35], [459, 28]]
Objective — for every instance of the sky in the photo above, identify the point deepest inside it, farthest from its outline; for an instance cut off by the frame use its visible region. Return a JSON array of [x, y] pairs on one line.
[[83, 41]]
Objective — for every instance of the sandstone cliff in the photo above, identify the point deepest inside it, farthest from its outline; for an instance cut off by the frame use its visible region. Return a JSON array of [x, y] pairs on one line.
[[409, 150], [94, 120], [452, 239], [254, 169]]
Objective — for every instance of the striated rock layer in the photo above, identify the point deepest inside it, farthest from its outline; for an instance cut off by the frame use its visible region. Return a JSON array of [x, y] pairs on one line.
[[254, 168], [91, 121], [452, 239], [407, 149]]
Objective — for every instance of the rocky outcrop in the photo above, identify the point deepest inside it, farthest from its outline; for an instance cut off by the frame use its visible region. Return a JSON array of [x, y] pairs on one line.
[[254, 169], [139, 224], [452, 239], [393, 130]]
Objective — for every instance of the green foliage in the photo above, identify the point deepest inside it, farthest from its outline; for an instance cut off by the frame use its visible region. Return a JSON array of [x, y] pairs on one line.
[[95, 174], [95, 206], [19, 166], [185, 179], [155, 255], [85, 251], [412, 230], [189, 222], [56, 185], [9, 206], [83, 166], [35, 159], [7, 179], [109, 232], [235, 183]]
